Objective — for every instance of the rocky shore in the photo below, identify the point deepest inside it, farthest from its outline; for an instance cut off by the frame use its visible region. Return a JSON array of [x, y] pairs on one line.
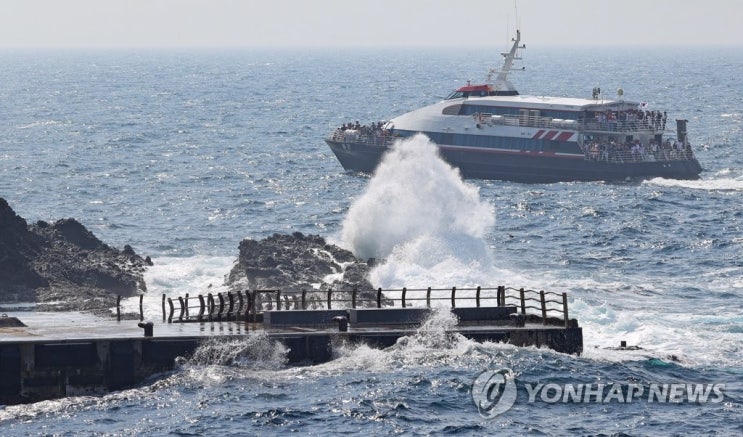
[[63, 266]]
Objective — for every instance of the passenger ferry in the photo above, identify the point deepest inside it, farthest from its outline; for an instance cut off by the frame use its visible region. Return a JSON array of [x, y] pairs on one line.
[[490, 131]]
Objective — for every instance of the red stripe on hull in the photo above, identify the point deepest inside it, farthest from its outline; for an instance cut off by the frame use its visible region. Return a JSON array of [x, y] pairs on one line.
[[551, 134]]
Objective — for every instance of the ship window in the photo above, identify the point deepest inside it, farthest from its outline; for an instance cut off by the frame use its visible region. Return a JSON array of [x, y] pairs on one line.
[[509, 143], [503, 110], [452, 110], [495, 110]]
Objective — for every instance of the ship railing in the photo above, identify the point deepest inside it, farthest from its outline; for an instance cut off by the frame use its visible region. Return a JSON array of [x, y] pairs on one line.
[[380, 138], [644, 125], [621, 156], [548, 308]]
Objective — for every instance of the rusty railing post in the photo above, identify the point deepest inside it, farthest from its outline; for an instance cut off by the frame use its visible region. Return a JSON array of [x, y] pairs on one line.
[[565, 309], [254, 305], [183, 308], [523, 301], [544, 307], [210, 305], [202, 307], [141, 310], [172, 310], [240, 303], [221, 306], [249, 305]]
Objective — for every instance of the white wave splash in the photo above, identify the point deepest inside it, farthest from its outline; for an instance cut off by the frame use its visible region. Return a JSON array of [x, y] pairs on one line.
[[176, 276], [419, 216], [256, 351]]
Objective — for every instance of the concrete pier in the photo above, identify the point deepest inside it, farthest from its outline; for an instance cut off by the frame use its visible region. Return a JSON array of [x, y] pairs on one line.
[[39, 362]]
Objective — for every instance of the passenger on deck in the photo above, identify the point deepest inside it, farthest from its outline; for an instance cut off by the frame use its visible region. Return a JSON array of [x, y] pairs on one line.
[[653, 146], [593, 151], [665, 150], [637, 150]]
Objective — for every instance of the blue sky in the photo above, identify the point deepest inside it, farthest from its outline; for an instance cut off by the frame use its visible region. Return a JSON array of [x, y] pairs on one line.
[[298, 23]]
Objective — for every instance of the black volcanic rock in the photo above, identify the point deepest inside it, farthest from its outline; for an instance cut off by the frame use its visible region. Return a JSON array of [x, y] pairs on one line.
[[63, 265], [18, 246], [296, 262]]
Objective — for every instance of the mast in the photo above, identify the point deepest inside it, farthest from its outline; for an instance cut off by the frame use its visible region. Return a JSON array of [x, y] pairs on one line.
[[502, 86]]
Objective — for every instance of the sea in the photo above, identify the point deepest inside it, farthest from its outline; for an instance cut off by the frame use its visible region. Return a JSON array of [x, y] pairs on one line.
[[184, 153]]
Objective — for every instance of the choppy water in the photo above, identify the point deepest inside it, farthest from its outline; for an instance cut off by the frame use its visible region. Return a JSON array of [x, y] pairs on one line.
[[183, 154]]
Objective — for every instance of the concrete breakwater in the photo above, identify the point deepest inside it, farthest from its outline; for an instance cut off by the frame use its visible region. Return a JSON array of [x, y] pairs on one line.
[[45, 362]]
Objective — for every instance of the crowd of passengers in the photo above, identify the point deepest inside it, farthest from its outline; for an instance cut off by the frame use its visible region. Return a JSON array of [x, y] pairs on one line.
[[653, 119], [374, 130], [364, 129], [635, 151]]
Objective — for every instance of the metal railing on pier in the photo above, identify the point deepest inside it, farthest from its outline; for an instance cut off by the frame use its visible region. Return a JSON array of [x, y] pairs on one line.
[[248, 306]]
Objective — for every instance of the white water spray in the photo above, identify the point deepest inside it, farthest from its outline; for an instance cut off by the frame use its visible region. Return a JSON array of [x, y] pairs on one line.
[[256, 351], [721, 182], [420, 217]]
